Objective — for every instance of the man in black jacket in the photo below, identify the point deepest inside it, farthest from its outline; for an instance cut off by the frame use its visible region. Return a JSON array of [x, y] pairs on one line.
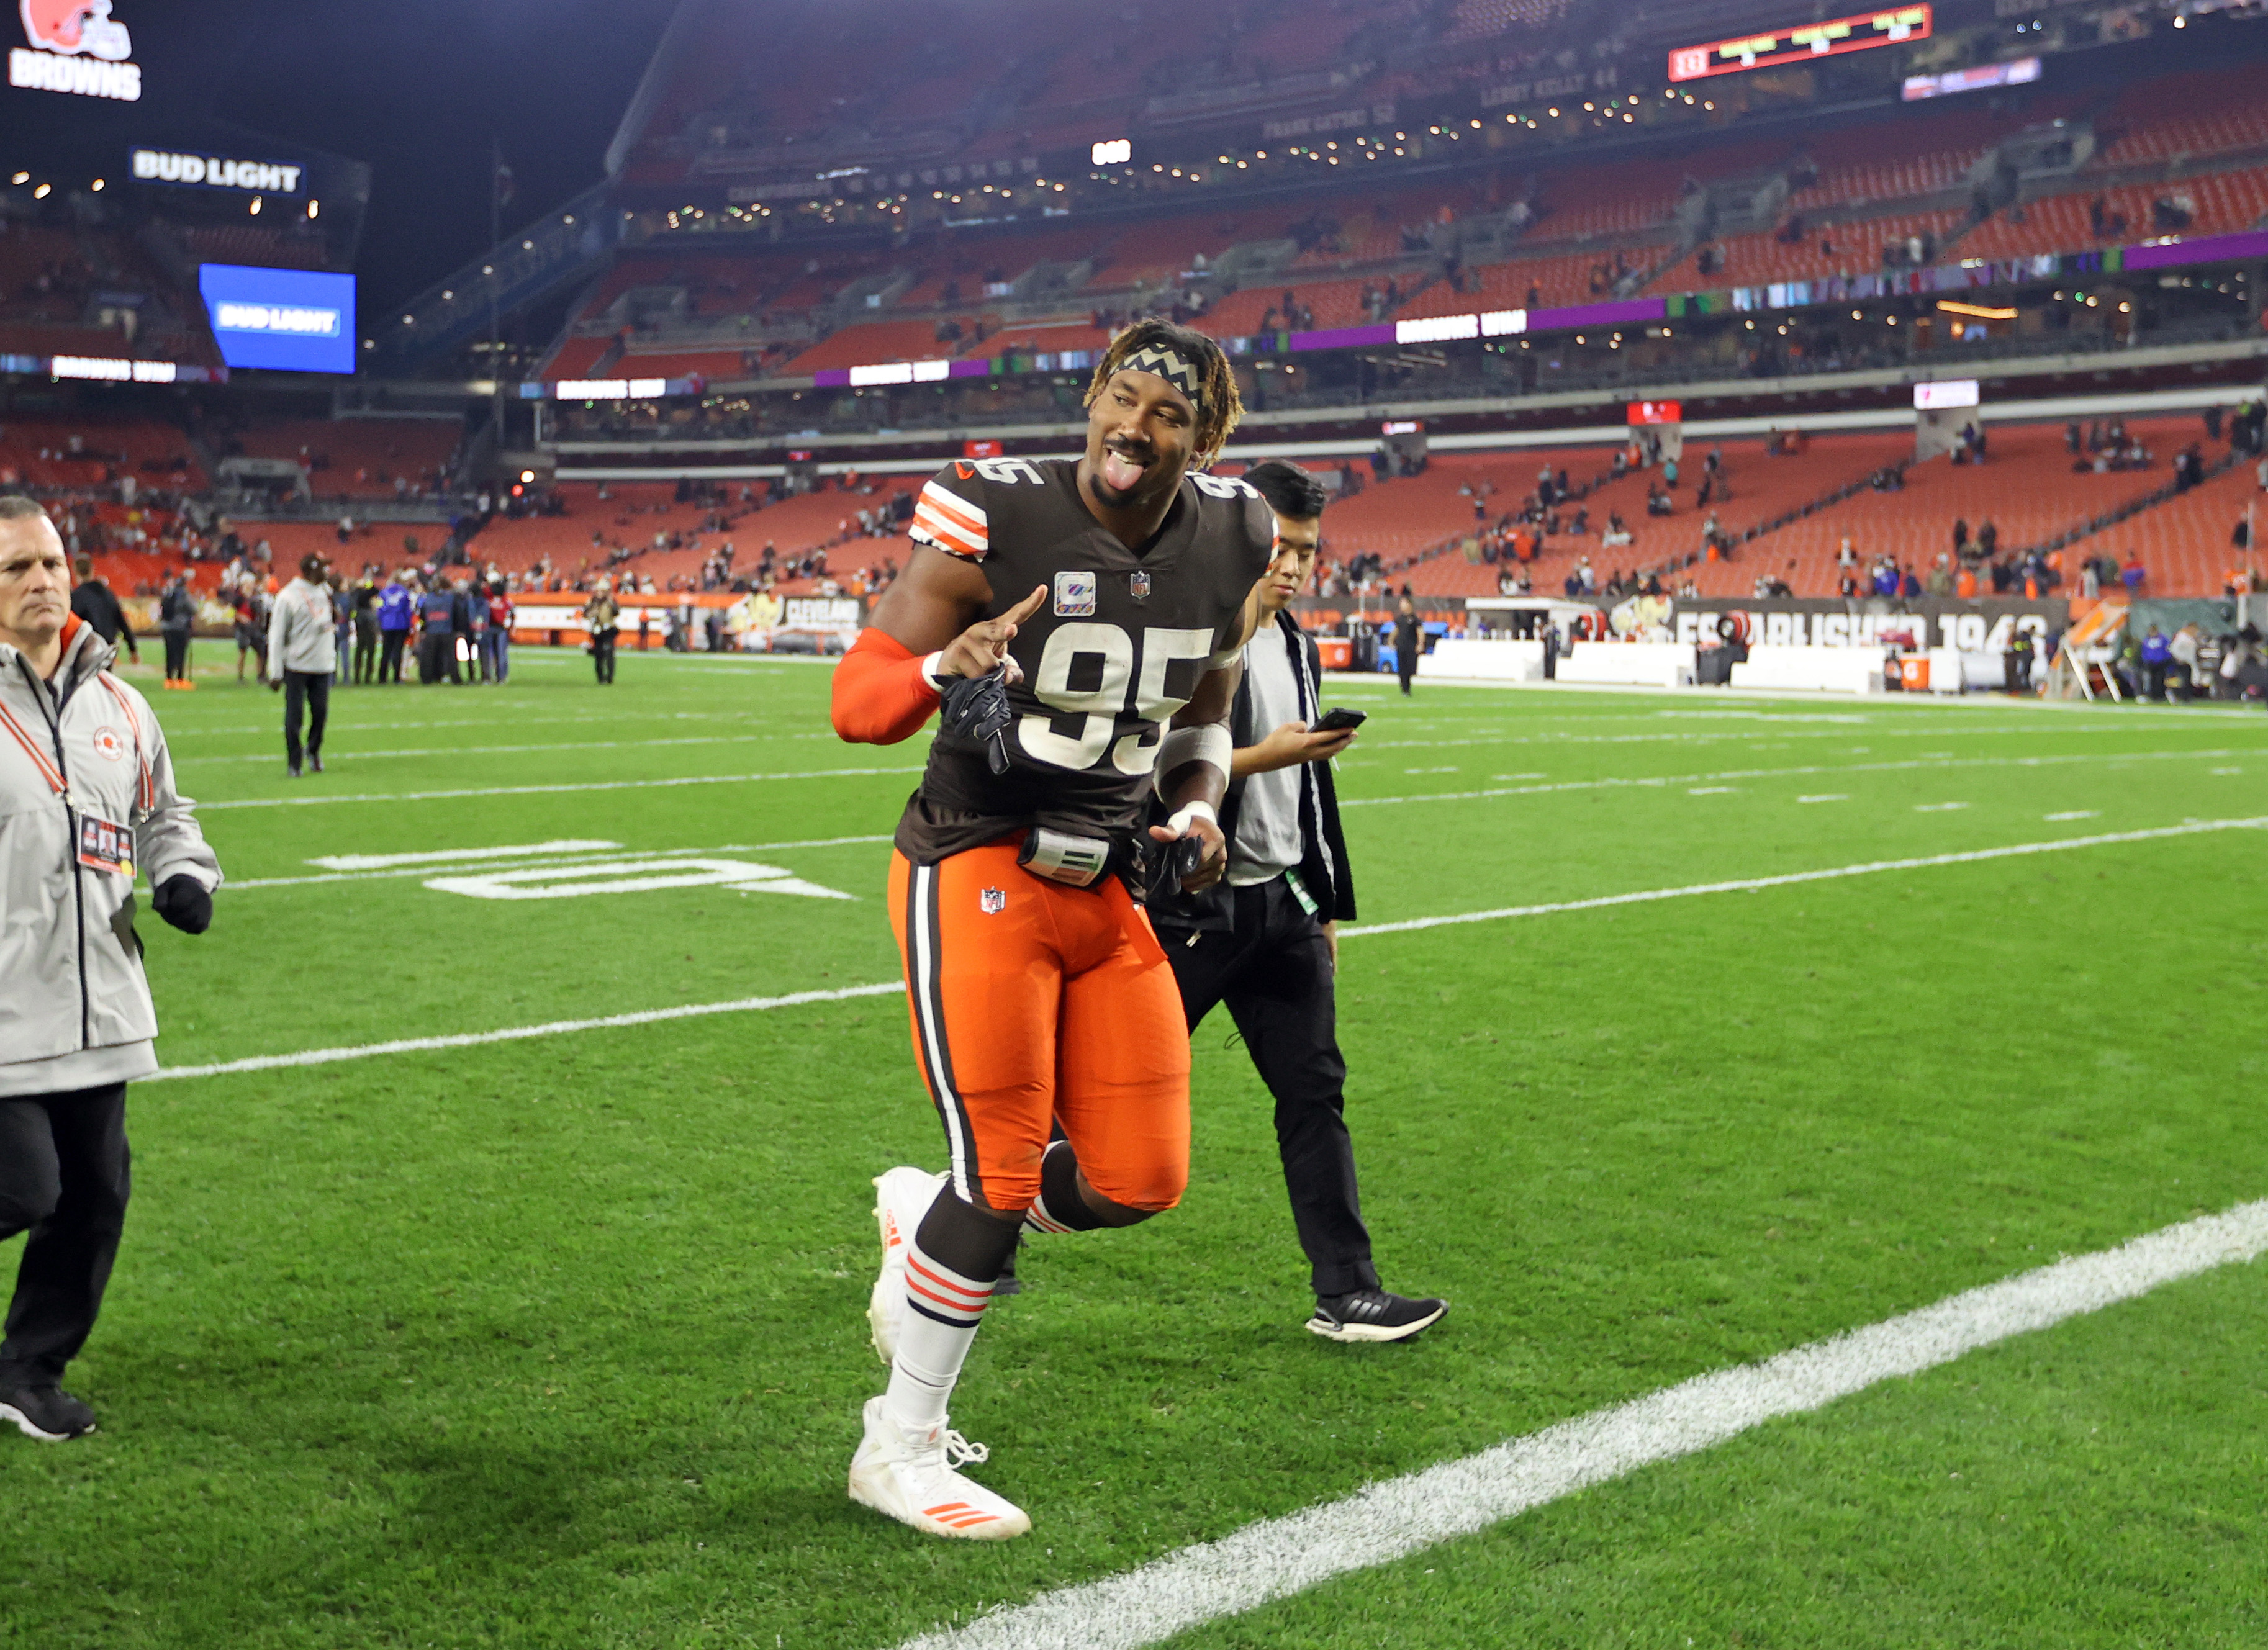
[[94, 601], [1265, 939]]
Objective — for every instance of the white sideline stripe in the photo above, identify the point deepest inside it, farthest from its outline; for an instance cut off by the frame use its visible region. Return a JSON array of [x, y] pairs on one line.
[[509, 750], [513, 1033], [1908, 766], [1381, 1523], [468, 861], [1790, 879], [554, 790], [325, 1056]]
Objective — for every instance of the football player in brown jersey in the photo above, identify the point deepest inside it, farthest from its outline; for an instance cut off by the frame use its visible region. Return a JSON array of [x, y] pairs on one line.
[[1080, 623]]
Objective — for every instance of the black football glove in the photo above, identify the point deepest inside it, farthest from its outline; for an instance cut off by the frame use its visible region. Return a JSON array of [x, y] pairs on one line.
[[184, 902], [976, 708]]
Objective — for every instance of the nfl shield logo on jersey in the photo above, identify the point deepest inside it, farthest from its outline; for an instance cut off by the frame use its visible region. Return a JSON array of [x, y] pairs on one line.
[[1139, 584], [1074, 595], [993, 901]]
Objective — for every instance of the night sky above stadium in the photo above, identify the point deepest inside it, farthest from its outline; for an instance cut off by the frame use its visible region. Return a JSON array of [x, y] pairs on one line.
[[415, 88]]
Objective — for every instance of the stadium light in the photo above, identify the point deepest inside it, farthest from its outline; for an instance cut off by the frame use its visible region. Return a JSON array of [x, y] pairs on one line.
[[21, 177], [315, 209], [96, 186], [255, 206], [43, 191]]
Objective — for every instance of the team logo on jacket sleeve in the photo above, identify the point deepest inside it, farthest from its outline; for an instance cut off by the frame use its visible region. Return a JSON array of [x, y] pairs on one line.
[[1074, 595]]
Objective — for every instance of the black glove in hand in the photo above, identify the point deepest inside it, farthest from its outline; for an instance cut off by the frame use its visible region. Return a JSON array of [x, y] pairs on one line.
[[976, 708], [184, 902]]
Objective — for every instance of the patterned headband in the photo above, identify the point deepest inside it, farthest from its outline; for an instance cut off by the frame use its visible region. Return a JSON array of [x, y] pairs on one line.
[[1171, 365]]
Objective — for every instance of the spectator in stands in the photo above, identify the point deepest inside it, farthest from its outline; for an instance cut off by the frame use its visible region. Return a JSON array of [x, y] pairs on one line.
[[177, 616], [1988, 539], [93, 601], [396, 607], [2133, 574], [1961, 536], [1940, 577]]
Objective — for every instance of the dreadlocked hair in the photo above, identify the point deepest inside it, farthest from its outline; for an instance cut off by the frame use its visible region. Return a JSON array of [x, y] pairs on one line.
[[1222, 406]]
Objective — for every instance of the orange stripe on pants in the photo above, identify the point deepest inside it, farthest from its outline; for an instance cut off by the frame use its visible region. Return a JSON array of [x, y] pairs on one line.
[[1034, 1003]]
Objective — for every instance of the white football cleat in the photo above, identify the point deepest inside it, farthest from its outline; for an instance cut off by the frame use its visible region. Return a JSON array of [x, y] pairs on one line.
[[901, 1198], [908, 1473]]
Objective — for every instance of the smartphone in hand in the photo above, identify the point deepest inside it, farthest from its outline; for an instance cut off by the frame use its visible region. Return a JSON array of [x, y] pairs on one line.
[[1338, 719]]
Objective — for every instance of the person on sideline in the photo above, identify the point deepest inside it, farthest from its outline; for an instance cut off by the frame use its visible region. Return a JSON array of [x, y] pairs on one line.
[[87, 787], [1409, 641], [93, 601], [177, 616], [302, 657], [603, 619], [497, 638], [396, 607]]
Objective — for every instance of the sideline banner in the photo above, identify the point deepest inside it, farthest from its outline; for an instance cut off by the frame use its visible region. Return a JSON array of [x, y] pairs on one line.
[[1981, 626]]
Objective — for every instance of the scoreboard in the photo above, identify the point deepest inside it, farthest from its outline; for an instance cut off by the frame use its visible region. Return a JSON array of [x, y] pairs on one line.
[[1800, 43]]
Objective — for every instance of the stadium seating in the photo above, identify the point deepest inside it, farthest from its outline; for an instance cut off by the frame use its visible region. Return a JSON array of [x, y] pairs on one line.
[[156, 454], [1334, 303], [2225, 201], [2026, 487], [2185, 543], [1853, 247], [2216, 111], [358, 458], [874, 341]]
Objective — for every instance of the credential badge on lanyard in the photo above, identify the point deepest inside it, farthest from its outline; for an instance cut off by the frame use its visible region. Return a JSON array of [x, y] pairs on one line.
[[103, 846]]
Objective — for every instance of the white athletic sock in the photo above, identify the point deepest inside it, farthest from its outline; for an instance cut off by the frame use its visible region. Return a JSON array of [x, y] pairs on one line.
[[943, 1309]]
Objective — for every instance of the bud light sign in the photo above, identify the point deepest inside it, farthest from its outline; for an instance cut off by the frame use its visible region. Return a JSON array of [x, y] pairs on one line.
[[292, 320]]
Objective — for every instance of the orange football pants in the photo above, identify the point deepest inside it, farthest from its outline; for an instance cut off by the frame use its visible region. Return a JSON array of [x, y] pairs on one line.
[[1033, 1003]]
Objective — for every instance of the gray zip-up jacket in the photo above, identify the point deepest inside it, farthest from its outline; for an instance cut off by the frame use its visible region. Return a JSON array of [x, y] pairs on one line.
[[78, 752], [302, 631]]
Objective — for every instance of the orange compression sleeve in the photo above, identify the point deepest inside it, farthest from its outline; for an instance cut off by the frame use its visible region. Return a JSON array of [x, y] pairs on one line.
[[880, 694]]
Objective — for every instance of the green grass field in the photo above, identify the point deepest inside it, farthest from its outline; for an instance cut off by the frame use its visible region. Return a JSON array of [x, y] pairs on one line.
[[560, 1341]]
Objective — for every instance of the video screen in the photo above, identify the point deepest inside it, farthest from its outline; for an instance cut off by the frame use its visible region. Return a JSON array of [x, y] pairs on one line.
[[292, 320]]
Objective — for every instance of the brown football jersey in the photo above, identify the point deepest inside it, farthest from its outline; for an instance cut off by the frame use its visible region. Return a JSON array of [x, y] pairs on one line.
[[1116, 648]]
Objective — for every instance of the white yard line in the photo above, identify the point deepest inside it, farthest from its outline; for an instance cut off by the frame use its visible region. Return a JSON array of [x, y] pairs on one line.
[[1276, 1557], [324, 1057], [192, 762], [1790, 879], [1814, 768], [467, 861], [317, 799], [513, 1033]]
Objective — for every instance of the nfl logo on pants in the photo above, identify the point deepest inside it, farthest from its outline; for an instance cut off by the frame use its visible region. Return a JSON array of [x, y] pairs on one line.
[[992, 901]]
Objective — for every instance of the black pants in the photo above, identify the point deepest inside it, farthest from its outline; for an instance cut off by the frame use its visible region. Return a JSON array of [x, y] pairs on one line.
[[602, 655], [366, 654], [436, 653], [63, 1179], [1274, 973], [389, 655], [306, 690], [177, 655]]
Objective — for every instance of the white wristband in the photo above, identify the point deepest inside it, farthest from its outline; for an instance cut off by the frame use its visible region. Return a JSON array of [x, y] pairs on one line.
[[1180, 823], [929, 671], [1209, 744]]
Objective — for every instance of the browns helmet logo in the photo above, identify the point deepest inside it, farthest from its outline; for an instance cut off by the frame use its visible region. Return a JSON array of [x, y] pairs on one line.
[[72, 26]]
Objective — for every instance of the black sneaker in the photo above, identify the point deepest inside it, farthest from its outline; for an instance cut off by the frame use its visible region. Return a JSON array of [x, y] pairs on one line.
[[314, 762], [47, 1413], [1373, 1314]]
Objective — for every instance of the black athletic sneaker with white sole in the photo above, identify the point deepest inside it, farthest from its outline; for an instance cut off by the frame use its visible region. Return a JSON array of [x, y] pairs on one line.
[[1373, 1314], [47, 1413]]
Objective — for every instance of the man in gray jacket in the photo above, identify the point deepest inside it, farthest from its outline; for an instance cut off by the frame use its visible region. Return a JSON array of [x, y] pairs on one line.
[[86, 789], [302, 656]]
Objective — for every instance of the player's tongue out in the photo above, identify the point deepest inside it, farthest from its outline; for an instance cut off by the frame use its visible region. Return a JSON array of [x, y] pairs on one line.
[[1120, 472]]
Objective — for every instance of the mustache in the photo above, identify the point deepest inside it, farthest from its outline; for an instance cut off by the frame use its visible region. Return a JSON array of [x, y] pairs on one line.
[[1142, 452]]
